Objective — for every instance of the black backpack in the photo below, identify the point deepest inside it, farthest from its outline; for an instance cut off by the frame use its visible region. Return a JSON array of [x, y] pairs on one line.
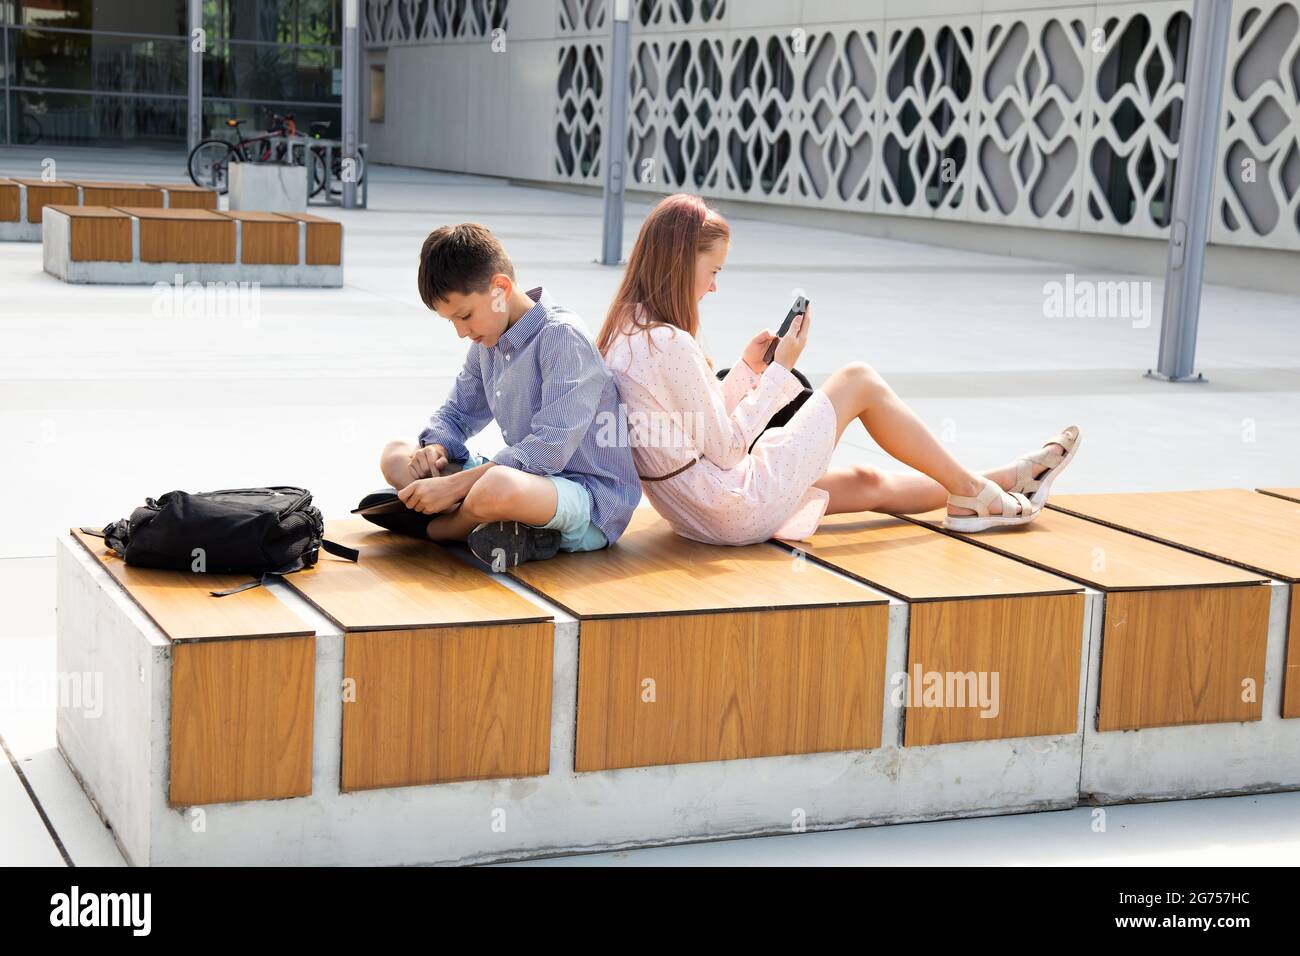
[[257, 531], [786, 412]]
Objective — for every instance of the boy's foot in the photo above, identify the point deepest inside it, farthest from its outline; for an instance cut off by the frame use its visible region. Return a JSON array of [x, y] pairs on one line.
[[505, 544], [401, 520]]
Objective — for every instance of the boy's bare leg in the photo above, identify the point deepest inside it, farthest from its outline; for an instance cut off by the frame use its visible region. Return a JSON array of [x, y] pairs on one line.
[[502, 494]]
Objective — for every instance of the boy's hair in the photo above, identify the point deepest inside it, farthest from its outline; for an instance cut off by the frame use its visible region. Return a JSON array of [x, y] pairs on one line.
[[461, 259]]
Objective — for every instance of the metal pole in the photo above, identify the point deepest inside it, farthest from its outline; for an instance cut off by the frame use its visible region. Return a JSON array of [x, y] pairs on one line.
[[1189, 226], [616, 138], [351, 94], [9, 106], [194, 124]]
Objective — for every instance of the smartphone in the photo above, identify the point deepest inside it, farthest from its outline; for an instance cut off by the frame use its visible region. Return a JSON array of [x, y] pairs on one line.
[[800, 306]]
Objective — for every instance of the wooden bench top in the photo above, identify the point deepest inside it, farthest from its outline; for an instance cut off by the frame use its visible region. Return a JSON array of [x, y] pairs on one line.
[[88, 212], [402, 583], [47, 184], [250, 215], [181, 187], [308, 217], [155, 212], [917, 563], [651, 570], [1102, 557], [94, 184], [179, 602], [1258, 532], [1292, 494]]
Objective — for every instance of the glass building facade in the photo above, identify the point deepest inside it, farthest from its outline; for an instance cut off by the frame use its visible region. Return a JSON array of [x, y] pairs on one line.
[[105, 72]]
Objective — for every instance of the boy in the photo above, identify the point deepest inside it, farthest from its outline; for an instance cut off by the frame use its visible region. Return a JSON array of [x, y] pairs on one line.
[[532, 367]]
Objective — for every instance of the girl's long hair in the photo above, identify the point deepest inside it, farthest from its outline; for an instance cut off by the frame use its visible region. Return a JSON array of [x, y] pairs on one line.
[[660, 274]]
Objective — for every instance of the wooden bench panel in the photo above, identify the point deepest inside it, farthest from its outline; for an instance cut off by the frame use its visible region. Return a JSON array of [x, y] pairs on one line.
[[436, 705], [1242, 527], [652, 570], [451, 670], [97, 234], [752, 650], [187, 195], [1036, 643], [402, 583], [241, 720], [1291, 684], [324, 238], [1182, 657], [9, 201], [179, 602], [919, 564], [266, 238], [119, 194], [729, 686], [41, 194], [184, 235], [1169, 614], [243, 683], [998, 667]]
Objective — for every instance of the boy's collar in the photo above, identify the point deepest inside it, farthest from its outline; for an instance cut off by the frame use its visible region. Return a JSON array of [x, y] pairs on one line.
[[526, 325]]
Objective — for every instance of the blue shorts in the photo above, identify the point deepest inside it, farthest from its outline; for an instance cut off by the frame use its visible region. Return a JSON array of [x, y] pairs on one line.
[[572, 512]]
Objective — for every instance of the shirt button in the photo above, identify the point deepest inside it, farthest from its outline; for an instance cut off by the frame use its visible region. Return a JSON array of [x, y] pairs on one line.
[[498, 393]]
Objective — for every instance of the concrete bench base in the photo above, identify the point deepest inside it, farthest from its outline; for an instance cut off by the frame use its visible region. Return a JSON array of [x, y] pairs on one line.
[[20, 232], [120, 757]]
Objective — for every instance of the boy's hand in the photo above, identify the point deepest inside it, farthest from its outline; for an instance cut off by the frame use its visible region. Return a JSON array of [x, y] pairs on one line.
[[757, 347], [429, 461], [430, 495]]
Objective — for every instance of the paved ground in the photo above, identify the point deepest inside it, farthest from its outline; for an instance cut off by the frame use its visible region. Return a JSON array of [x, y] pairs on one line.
[[105, 398]]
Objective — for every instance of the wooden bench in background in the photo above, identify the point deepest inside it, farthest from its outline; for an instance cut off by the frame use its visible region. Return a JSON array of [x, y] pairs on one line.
[[200, 245], [22, 201], [450, 672]]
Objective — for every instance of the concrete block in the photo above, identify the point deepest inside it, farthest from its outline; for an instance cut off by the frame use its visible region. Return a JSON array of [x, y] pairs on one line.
[[268, 187]]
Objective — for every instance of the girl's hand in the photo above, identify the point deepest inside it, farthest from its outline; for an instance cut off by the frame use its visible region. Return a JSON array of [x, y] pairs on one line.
[[756, 349], [791, 347]]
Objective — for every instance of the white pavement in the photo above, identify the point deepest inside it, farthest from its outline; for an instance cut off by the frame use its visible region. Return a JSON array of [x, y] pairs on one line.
[[106, 398]]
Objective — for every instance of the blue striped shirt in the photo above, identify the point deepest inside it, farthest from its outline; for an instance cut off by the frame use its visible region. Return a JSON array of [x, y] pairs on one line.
[[549, 390]]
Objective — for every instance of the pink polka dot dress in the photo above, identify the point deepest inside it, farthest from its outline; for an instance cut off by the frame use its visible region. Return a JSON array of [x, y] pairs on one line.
[[678, 411]]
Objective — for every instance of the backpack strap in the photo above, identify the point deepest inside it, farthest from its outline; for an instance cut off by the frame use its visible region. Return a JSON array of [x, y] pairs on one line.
[[342, 551]]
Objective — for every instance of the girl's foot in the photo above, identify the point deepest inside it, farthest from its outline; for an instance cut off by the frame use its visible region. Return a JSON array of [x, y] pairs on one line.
[[990, 508]]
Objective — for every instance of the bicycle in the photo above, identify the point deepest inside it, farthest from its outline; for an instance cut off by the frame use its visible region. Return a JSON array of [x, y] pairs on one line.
[[209, 161], [318, 129]]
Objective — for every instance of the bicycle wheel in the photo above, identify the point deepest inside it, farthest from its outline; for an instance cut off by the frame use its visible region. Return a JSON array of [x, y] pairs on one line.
[[315, 164], [29, 129], [336, 184], [209, 164]]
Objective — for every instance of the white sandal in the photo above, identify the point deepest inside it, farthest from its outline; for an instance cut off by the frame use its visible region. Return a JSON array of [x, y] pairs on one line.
[[1037, 488], [1016, 509]]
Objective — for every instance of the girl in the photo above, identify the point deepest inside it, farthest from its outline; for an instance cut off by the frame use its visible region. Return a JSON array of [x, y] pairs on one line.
[[691, 434]]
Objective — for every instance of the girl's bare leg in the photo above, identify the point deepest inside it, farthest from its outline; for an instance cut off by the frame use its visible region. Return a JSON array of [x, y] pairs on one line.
[[857, 391]]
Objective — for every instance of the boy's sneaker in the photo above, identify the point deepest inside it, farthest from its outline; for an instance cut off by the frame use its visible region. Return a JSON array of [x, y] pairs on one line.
[[505, 544]]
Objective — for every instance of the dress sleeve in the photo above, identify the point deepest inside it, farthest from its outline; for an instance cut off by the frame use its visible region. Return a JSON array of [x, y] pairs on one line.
[[722, 434], [737, 383]]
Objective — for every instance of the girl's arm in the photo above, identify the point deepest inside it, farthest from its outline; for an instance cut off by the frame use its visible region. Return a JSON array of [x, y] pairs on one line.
[[723, 434]]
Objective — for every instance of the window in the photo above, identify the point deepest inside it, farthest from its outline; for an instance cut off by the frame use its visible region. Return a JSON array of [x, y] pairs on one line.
[[376, 94]]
